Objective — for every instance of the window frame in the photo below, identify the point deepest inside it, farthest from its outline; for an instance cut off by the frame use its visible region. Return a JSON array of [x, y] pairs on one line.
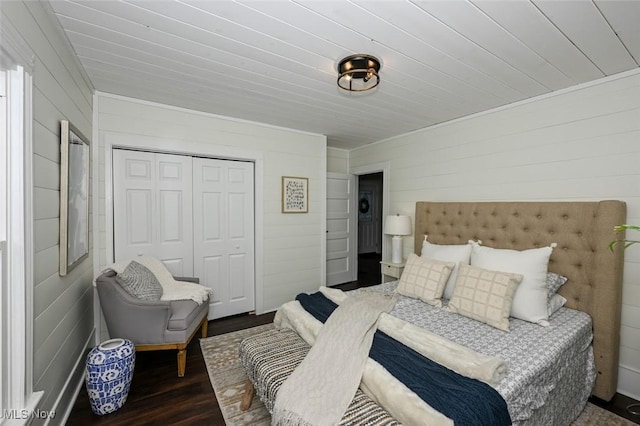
[[16, 231]]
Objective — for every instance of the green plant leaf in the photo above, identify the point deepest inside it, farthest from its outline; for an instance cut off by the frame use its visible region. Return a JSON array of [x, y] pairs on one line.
[[627, 243]]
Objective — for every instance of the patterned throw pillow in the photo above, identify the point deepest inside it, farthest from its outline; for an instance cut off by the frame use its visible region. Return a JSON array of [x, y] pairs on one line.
[[140, 282], [484, 295], [424, 279], [554, 282]]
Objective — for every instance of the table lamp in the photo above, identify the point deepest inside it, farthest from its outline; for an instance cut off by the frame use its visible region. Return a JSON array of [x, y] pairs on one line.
[[397, 226]]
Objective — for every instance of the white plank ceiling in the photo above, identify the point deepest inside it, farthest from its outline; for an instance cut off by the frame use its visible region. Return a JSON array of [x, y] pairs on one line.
[[275, 61]]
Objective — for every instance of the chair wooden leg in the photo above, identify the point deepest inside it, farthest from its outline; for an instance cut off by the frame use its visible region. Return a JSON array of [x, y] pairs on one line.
[[182, 361], [247, 398]]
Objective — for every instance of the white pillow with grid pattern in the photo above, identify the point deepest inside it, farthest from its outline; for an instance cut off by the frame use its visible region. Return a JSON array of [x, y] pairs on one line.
[[484, 295], [424, 279]]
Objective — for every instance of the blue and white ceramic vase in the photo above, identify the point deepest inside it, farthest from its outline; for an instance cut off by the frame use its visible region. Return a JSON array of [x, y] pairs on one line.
[[109, 371]]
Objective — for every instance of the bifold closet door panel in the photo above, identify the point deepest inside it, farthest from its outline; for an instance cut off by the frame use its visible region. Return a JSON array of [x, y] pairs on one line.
[[223, 204], [153, 208]]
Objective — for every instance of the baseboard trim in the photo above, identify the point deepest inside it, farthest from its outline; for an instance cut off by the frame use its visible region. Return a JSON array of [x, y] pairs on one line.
[[67, 398], [629, 382]]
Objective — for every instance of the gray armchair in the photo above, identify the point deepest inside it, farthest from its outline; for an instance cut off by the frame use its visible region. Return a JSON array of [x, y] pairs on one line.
[[151, 325]]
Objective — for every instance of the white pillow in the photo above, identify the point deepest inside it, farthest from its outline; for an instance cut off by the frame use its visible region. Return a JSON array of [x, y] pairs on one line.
[[484, 295], [556, 302], [459, 254], [530, 300], [424, 279]]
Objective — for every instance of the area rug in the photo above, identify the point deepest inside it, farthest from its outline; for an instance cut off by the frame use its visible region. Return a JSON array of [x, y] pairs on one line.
[[228, 377]]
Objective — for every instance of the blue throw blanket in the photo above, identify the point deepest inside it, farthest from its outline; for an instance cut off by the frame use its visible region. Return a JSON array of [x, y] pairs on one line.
[[464, 400]]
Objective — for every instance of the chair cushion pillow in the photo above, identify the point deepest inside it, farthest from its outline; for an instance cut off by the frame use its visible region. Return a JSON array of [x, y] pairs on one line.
[[140, 282], [183, 314]]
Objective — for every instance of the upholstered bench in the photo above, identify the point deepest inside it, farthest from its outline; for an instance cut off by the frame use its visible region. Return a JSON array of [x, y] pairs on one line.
[[270, 357]]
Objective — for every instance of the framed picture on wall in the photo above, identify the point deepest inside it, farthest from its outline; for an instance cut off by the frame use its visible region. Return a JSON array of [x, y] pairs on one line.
[[295, 194], [74, 197]]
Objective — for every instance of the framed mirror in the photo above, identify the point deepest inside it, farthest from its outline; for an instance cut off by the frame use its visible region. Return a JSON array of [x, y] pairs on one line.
[[74, 197]]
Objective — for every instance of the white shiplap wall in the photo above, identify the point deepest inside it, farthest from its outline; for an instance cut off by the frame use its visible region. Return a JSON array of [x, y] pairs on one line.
[[63, 313], [337, 160], [291, 247], [578, 144]]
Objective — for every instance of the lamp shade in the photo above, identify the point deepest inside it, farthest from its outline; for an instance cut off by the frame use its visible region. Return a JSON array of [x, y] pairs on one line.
[[397, 225]]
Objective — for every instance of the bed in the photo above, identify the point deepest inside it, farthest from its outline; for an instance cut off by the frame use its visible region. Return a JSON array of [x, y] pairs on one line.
[[584, 364]]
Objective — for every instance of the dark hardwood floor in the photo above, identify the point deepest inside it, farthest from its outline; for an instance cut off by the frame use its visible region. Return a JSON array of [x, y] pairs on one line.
[[159, 397]]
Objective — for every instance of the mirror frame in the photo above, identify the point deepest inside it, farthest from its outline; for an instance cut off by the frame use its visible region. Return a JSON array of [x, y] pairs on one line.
[[74, 197]]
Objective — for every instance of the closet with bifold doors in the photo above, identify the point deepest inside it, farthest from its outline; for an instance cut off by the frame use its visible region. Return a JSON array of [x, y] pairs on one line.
[[195, 214]]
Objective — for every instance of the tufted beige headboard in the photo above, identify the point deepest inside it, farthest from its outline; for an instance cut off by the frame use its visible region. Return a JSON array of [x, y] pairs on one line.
[[582, 231]]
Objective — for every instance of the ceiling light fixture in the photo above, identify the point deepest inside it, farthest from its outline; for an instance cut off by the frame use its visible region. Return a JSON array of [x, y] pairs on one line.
[[358, 73]]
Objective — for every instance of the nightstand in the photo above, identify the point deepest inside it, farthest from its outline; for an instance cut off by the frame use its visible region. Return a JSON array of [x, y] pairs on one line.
[[391, 271]]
